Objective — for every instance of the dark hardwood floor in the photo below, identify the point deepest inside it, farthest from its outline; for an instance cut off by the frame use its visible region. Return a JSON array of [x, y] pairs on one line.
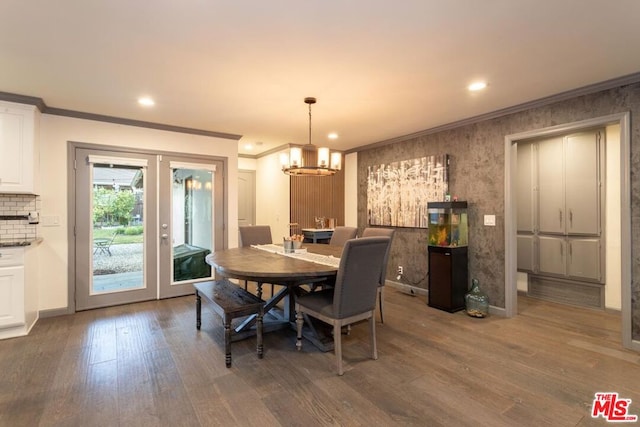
[[147, 365]]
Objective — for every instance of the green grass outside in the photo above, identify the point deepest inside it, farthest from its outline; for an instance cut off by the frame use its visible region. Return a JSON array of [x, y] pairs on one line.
[[106, 233]]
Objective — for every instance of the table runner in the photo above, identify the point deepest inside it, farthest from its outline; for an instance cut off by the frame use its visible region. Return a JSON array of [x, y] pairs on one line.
[[301, 254]]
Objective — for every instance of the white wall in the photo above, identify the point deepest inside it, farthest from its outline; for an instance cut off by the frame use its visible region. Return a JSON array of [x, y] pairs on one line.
[[272, 196], [351, 190], [55, 134], [247, 164]]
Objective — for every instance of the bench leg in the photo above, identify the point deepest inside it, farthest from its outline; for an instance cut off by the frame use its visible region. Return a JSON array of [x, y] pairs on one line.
[[198, 310], [227, 341], [259, 348]]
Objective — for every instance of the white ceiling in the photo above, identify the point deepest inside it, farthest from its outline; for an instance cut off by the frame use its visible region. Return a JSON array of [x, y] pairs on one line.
[[379, 69]]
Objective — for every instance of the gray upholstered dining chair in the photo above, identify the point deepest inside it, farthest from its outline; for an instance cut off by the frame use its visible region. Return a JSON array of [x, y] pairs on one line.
[[342, 234], [353, 298], [255, 235], [388, 232]]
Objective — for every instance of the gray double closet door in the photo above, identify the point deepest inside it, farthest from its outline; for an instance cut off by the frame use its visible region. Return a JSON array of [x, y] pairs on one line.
[[560, 206]]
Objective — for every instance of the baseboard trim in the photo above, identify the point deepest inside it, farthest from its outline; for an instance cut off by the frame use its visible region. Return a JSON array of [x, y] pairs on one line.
[[497, 311], [413, 290], [43, 314], [407, 289]]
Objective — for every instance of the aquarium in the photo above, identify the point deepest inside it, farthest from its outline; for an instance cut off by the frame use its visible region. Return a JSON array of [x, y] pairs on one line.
[[448, 225]]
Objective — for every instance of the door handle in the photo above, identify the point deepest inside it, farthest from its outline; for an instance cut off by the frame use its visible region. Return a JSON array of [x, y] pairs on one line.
[[560, 212], [165, 236], [570, 218]]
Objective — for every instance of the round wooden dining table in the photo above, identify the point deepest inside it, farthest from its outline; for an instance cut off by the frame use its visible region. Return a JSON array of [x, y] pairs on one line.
[[257, 265]]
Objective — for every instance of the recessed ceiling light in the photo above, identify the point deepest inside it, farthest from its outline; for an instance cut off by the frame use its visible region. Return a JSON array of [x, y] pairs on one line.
[[146, 101], [333, 135], [477, 86], [248, 147]]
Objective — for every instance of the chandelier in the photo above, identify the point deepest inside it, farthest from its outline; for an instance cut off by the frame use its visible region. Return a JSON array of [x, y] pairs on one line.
[[328, 162]]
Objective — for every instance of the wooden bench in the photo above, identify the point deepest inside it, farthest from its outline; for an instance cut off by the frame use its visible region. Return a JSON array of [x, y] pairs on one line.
[[229, 301]]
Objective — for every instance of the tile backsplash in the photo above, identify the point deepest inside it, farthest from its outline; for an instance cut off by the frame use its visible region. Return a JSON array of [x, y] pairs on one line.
[[20, 205]]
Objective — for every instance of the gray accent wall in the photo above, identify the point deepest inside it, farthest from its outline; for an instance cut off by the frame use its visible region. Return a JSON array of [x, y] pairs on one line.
[[477, 175]]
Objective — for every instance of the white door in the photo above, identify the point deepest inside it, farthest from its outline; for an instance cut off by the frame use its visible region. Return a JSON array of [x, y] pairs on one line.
[[144, 224], [246, 197], [191, 221], [116, 223]]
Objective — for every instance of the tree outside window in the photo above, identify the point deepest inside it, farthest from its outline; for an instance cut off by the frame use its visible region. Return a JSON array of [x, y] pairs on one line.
[[112, 207]]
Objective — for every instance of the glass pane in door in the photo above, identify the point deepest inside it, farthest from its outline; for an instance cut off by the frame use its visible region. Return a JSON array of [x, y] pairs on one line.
[[191, 223], [117, 228]]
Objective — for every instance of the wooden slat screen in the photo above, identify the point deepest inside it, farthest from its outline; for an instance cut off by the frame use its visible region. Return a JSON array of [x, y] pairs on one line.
[[316, 196]]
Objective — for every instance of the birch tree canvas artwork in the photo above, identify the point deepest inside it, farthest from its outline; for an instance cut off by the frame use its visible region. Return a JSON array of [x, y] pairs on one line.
[[398, 192]]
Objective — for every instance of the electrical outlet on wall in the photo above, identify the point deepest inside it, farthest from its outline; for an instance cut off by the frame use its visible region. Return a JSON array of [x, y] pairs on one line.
[[399, 272]]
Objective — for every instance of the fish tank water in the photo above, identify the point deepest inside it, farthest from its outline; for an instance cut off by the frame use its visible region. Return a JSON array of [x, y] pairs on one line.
[[448, 224]]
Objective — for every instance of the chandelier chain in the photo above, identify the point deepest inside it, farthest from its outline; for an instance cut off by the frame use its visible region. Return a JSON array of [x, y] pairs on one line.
[[309, 123]]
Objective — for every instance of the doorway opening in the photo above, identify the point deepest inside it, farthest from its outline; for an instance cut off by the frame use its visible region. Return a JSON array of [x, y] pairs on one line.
[[623, 167]]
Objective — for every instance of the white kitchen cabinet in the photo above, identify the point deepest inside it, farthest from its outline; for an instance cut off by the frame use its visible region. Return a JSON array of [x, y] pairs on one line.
[[11, 296], [18, 293], [19, 151]]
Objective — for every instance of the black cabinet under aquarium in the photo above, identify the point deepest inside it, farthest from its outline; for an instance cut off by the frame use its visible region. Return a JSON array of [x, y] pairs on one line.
[[448, 257]]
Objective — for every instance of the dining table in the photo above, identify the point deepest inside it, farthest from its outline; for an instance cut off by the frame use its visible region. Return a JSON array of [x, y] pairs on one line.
[[314, 264]]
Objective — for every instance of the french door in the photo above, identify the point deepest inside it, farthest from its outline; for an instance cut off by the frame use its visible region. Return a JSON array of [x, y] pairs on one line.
[[191, 221], [144, 224]]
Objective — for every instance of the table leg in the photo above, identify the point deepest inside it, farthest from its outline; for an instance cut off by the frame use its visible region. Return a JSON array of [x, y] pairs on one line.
[[289, 306], [259, 346], [270, 304], [318, 333]]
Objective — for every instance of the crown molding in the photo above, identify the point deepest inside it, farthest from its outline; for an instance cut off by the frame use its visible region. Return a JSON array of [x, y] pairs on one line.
[[23, 99], [40, 104]]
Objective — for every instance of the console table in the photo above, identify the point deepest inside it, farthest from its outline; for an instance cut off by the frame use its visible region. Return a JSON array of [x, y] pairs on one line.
[[317, 235]]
